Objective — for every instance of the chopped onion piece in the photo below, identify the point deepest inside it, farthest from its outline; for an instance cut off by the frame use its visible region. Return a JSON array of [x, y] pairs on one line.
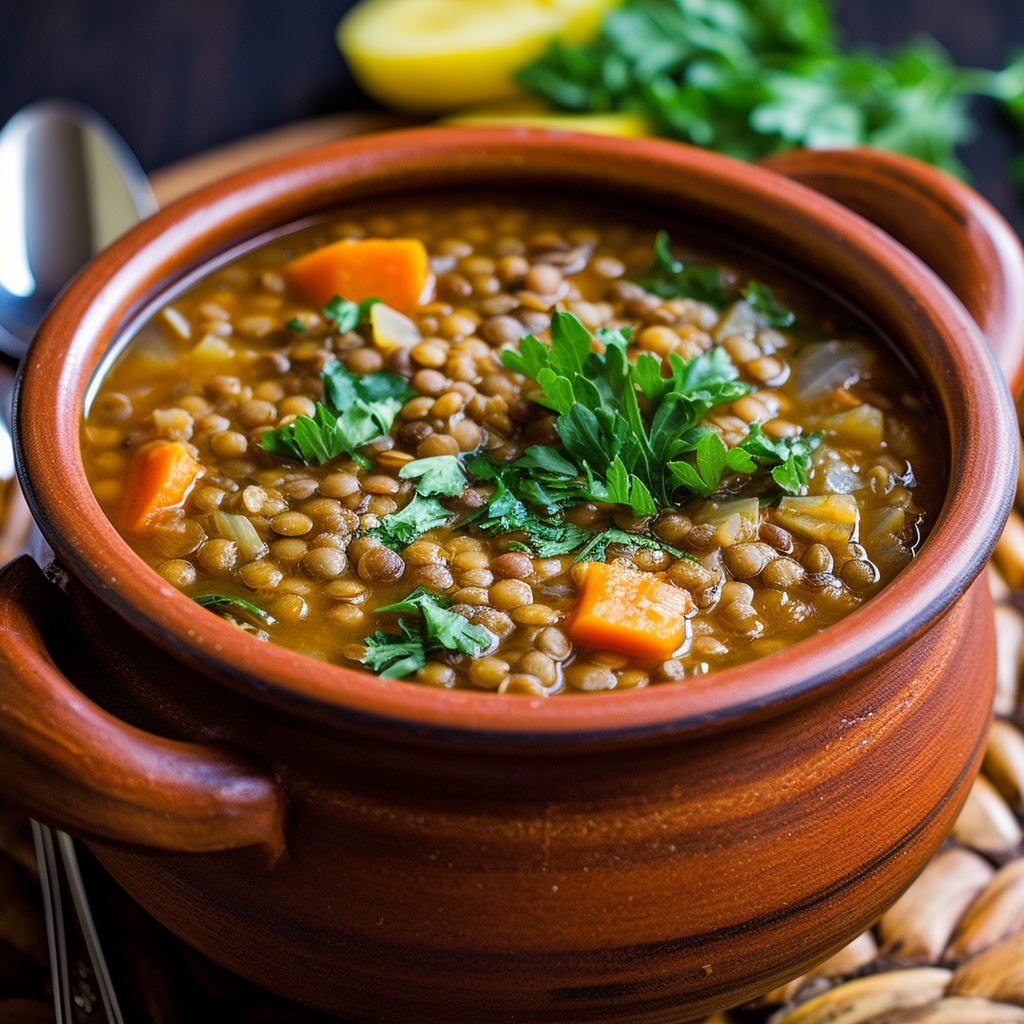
[[716, 512], [863, 425], [740, 319], [823, 518], [177, 321], [392, 329], [212, 349], [239, 529], [885, 528], [739, 518], [841, 479], [825, 366]]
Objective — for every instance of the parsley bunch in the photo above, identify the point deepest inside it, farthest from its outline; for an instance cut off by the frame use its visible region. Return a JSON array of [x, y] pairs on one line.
[[750, 77], [434, 630], [627, 430]]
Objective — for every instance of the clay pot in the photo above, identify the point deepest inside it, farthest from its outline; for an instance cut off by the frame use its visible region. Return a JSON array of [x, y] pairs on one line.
[[389, 852]]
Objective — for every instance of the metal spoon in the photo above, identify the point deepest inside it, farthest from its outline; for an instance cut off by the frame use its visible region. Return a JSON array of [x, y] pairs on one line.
[[68, 187]]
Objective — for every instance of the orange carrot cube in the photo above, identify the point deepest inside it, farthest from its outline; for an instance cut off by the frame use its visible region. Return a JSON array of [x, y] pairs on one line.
[[631, 612], [160, 477], [394, 270]]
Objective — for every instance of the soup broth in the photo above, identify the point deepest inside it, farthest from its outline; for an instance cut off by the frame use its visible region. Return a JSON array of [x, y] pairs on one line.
[[565, 451]]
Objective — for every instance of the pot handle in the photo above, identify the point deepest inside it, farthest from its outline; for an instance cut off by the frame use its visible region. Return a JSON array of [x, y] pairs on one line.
[[71, 764], [949, 226]]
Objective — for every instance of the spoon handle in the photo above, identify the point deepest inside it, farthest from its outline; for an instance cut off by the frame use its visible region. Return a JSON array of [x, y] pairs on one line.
[[82, 987]]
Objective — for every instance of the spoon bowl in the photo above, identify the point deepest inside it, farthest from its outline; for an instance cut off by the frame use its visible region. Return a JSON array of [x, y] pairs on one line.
[[69, 185]]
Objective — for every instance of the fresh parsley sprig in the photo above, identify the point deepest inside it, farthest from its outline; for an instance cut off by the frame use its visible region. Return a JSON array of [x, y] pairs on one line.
[[355, 411], [596, 549], [347, 315], [789, 459], [230, 603], [434, 630], [437, 475], [618, 453], [670, 278]]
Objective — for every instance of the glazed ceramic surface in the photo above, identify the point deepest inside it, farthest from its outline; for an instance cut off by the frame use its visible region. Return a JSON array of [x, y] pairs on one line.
[[390, 852]]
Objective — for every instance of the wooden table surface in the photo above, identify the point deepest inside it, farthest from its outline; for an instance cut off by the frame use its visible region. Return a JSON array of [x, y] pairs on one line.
[[177, 77]]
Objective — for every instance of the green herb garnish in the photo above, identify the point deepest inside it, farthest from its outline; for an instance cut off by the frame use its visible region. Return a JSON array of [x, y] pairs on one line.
[[226, 602], [399, 529], [621, 455], [669, 278], [630, 437], [440, 474], [529, 496], [434, 630], [751, 77], [596, 549], [770, 312], [347, 315], [355, 411], [631, 458], [789, 457]]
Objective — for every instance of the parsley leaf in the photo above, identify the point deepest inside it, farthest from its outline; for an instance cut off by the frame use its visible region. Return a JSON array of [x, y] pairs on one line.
[[596, 549], [436, 630], [355, 411], [770, 311], [313, 440], [670, 279], [382, 392], [548, 540], [227, 602], [712, 458], [348, 315], [399, 529], [395, 656], [439, 474], [615, 453], [528, 497], [789, 457]]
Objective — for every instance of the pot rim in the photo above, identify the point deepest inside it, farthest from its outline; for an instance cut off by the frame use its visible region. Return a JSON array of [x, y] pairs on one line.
[[865, 265]]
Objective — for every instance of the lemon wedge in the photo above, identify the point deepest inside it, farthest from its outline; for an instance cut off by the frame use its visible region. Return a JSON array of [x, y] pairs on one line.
[[428, 56]]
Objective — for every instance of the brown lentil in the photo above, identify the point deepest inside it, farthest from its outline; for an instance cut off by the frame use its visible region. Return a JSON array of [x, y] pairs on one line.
[[325, 563], [380, 564], [291, 524]]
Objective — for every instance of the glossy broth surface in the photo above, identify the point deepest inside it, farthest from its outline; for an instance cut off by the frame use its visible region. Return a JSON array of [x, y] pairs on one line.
[[723, 577]]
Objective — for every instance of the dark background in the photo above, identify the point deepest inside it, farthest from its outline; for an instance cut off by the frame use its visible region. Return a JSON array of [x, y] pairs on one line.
[[176, 77]]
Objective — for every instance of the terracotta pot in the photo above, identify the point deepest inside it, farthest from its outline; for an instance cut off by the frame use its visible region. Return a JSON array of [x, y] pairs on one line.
[[390, 852]]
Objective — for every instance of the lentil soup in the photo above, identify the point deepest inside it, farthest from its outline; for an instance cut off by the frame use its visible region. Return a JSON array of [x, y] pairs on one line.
[[527, 447]]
